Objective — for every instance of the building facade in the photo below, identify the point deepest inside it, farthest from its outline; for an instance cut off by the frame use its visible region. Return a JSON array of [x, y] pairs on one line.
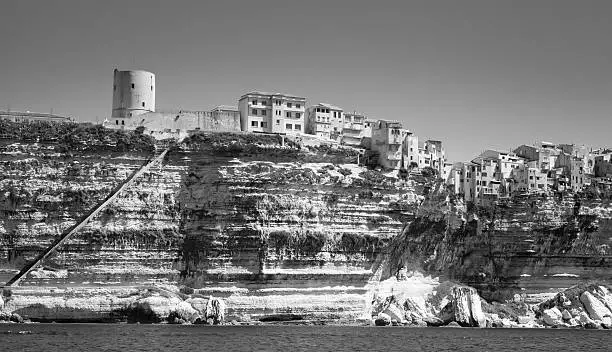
[[353, 130], [387, 140], [323, 120], [27, 116], [272, 113]]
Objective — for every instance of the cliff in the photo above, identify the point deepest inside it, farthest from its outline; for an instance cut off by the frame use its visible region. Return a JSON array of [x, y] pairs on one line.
[[268, 224], [530, 246]]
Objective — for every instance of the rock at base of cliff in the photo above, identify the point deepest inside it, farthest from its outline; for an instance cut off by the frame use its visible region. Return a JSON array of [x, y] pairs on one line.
[[382, 320], [552, 317], [566, 315], [215, 310], [433, 321], [183, 313], [597, 310]]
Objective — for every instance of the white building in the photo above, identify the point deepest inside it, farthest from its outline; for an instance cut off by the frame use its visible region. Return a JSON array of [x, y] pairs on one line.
[[272, 112], [324, 120]]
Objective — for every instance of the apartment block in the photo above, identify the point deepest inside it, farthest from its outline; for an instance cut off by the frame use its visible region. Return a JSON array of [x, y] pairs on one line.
[[387, 140], [353, 129], [324, 120], [431, 154], [272, 113]]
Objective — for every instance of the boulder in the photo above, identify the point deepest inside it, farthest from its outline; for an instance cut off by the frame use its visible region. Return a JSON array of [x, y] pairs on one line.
[[152, 309], [584, 319], [478, 316], [215, 311], [433, 321], [467, 307], [395, 311], [198, 303], [382, 320], [604, 295], [185, 312], [566, 315], [416, 306], [552, 316], [525, 320], [597, 310], [453, 324], [606, 322], [16, 318], [461, 306]]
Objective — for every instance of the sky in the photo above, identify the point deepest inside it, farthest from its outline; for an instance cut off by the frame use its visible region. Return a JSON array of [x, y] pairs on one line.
[[476, 74]]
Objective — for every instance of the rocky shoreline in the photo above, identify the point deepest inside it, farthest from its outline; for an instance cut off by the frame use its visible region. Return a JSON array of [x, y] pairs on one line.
[[584, 306]]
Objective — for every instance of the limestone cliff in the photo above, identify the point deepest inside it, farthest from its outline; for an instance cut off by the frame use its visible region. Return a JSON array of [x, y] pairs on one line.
[[265, 223], [268, 224]]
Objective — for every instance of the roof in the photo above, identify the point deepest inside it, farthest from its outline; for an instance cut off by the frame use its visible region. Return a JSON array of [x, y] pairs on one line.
[[259, 93], [225, 107], [329, 106], [32, 114]]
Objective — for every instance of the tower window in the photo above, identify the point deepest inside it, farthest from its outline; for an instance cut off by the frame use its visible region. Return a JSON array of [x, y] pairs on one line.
[[132, 85], [143, 104]]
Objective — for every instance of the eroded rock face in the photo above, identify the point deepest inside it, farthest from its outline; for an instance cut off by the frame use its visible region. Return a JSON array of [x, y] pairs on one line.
[[266, 226], [271, 227], [530, 245]]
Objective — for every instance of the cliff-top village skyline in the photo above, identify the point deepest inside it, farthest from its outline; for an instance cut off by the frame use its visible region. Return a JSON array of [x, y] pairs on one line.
[[536, 71]]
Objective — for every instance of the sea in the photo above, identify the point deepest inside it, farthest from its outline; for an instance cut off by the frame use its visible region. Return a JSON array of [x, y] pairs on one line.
[[132, 337]]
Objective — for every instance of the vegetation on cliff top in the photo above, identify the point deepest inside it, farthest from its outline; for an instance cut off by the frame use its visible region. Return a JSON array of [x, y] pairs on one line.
[[71, 137]]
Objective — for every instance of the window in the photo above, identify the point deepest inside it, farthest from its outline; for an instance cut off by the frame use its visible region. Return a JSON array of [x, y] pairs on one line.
[[264, 124], [298, 115], [132, 85], [288, 126], [288, 114], [116, 122], [143, 104], [254, 123], [254, 112], [263, 112], [298, 127], [327, 111], [278, 122], [151, 88], [254, 102], [130, 114], [289, 105], [114, 87], [298, 106], [263, 103], [123, 122]]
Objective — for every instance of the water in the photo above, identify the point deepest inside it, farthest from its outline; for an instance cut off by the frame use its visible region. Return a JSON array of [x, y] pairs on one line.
[[121, 337]]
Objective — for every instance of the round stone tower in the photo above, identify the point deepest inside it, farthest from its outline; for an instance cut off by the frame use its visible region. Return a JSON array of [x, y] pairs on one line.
[[133, 94]]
